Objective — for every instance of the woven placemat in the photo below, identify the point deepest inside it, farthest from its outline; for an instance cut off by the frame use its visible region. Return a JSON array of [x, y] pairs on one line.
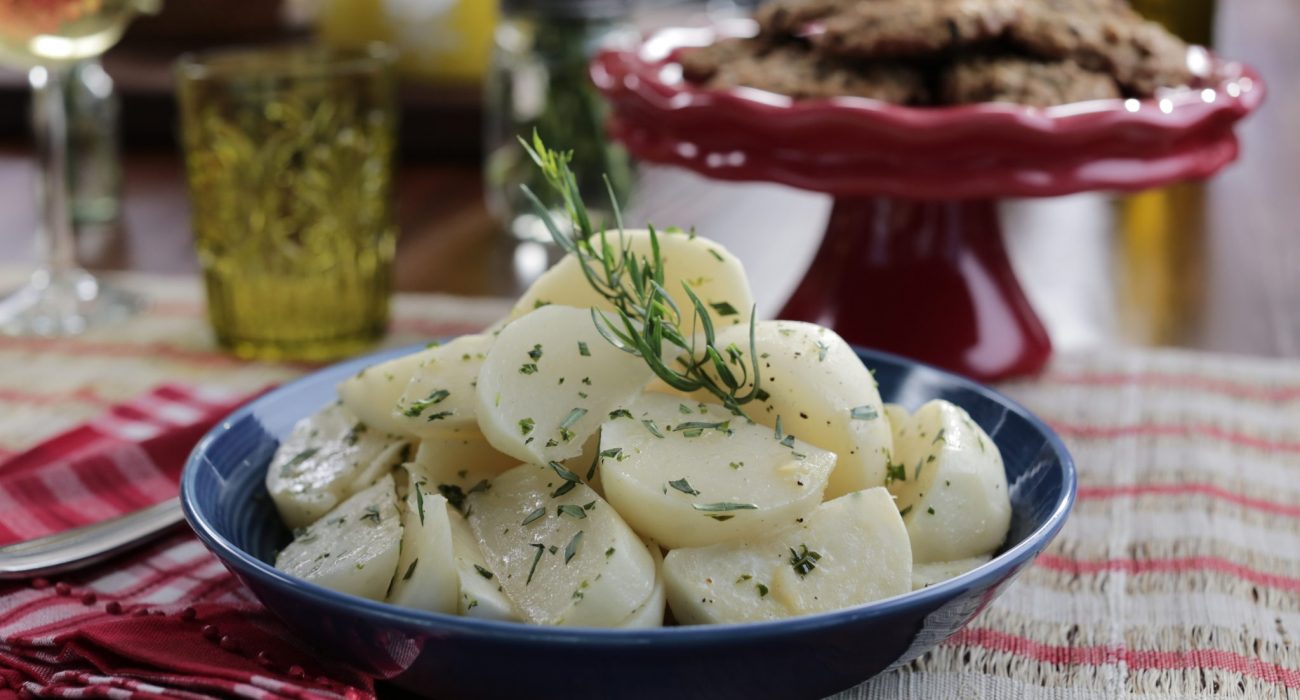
[[1177, 576]]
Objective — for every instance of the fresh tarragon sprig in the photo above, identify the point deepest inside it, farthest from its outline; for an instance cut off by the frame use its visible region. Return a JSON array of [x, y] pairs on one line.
[[649, 323]]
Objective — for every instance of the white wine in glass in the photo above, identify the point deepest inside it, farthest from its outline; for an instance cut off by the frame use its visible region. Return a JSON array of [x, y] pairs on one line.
[[48, 36]]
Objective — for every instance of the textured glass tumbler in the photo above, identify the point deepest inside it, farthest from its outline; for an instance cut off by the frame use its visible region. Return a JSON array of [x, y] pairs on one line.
[[289, 157]]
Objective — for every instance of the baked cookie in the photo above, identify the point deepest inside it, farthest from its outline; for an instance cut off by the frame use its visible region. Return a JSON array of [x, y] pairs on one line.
[[910, 28], [1023, 81], [796, 71], [1103, 35], [786, 17]]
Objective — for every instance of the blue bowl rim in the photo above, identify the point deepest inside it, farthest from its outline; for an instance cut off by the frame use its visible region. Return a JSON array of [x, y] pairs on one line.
[[981, 577]]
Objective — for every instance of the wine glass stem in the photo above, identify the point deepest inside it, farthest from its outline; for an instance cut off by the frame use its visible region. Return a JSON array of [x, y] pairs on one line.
[[59, 247]]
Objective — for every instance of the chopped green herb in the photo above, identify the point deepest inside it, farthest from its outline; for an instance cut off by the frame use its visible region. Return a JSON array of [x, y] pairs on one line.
[[540, 303], [761, 395], [654, 429], [895, 472], [535, 353], [439, 416], [788, 441], [435, 397], [537, 556], [721, 518], [722, 507], [737, 465], [905, 511], [419, 501], [526, 426], [930, 510], [564, 473], [574, 416], [863, 413], [762, 590], [571, 549], [723, 308], [575, 512], [583, 349], [299, 458], [620, 413], [684, 486], [939, 437], [528, 368], [563, 489], [743, 578], [822, 349], [684, 409], [916, 473], [720, 426], [534, 516], [780, 434], [612, 453], [372, 514], [454, 495], [804, 560], [609, 552], [354, 434], [483, 572], [716, 255], [410, 570]]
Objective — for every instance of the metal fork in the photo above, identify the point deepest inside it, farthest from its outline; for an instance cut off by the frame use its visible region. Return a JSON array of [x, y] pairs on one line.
[[83, 546]]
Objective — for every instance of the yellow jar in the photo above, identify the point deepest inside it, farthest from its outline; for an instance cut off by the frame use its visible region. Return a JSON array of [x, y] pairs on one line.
[[288, 154]]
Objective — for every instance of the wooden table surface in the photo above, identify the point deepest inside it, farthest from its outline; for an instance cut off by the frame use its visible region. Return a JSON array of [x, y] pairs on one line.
[[1213, 267]]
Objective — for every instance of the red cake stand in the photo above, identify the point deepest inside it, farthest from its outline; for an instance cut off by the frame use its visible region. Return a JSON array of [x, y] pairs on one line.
[[912, 260]]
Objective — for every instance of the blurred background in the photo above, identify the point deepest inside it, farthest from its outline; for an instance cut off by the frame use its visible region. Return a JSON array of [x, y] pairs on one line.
[[1212, 266]]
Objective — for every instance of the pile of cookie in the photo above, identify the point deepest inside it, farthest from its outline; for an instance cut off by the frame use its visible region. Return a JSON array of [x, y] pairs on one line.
[[948, 52]]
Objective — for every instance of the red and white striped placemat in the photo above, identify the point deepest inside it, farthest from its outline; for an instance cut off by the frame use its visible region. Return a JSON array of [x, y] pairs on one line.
[[1178, 576]]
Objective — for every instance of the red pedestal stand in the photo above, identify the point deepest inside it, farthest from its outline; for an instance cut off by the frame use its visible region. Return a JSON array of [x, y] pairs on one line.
[[912, 261]]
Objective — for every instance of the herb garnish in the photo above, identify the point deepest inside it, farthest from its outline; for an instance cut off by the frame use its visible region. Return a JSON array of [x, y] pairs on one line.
[[895, 472], [723, 308], [646, 323], [528, 368], [620, 413], [722, 507], [574, 416], [435, 397], [541, 548], [684, 486], [526, 426], [762, 590], [534, 516], [354, 434], [536, 352], [483, 572], [654, 429], [804, 560], [863, 413], [372, 514], [905, 511], [299, 458], [571, 549], [583, 349], [410, 570], [575, 512], [419, 501]]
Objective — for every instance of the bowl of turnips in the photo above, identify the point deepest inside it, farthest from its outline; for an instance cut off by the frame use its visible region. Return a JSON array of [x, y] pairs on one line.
[[629, 486]]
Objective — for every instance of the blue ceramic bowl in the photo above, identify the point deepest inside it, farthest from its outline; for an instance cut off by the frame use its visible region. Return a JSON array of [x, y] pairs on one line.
[[453, 657]]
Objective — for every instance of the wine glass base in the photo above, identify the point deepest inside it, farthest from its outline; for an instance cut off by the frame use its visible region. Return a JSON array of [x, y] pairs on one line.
[[64, 304]]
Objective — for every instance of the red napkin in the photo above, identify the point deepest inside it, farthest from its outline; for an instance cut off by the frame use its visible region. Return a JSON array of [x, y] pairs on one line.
[[164, 621]]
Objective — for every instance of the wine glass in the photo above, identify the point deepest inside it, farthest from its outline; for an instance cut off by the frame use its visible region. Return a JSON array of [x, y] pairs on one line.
[[48, 36]]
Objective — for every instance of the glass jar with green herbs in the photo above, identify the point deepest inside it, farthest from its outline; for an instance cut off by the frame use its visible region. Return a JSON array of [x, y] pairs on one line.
[[539, 80]]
